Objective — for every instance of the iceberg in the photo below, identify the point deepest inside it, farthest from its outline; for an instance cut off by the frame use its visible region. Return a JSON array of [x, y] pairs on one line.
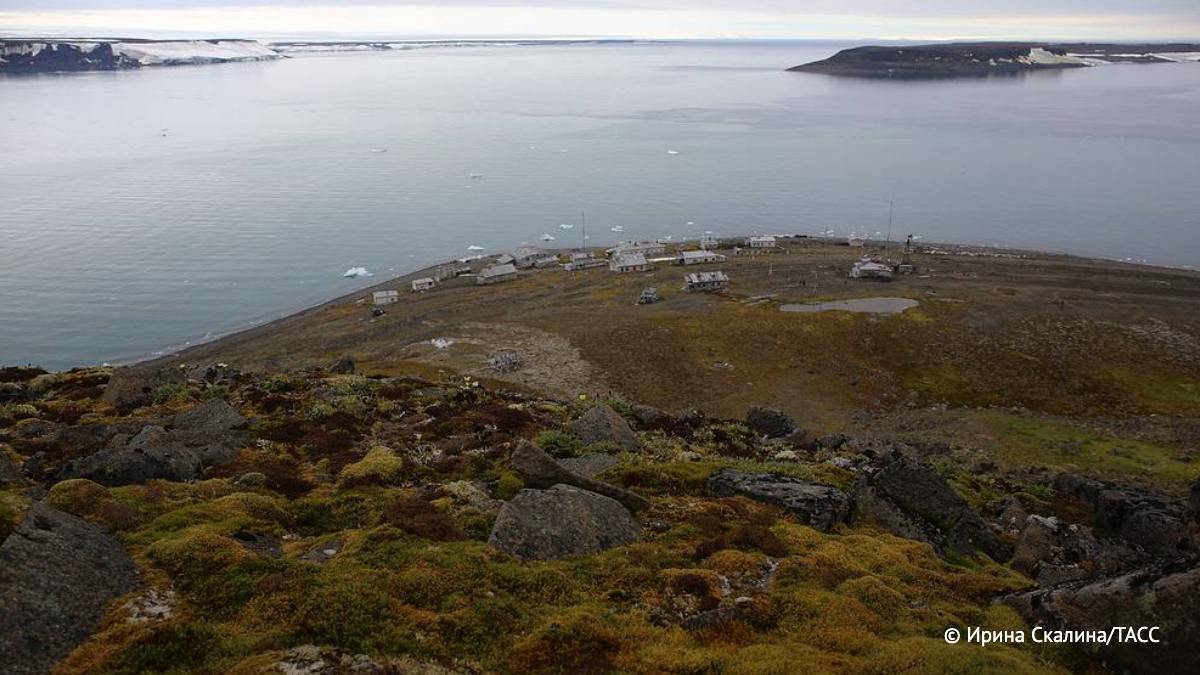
[[474, 248], [356, 272]]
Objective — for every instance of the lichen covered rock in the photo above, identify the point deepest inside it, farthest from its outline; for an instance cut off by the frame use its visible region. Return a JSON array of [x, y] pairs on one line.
[[562, 521]]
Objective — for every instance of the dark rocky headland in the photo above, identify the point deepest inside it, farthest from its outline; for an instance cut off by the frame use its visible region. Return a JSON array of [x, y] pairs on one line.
[[989, 58]]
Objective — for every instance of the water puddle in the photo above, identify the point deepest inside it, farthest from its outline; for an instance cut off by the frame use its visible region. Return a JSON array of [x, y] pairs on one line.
[[863, 305]]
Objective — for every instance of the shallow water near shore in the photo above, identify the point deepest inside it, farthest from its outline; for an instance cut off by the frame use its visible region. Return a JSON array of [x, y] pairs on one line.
[[144, 210], [858, 305]]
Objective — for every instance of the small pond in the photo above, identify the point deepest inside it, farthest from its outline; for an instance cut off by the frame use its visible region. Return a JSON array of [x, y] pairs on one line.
[[864, 305]]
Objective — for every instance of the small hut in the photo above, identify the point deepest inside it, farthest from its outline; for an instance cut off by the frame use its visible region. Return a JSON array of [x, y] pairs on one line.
[[706, 282], [869, 269], [379, 298], [496, 274], [423, 284], [628, 262]]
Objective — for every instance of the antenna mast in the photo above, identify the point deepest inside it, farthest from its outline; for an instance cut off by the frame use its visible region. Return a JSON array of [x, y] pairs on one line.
[[583, 230], [891, 209]]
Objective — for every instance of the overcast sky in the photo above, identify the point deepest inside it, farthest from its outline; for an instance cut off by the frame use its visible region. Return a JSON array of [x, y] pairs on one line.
[[915, 19]]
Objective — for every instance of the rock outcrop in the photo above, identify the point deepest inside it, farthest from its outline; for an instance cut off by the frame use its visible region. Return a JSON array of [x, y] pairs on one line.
[[540, 470], [602, 424], [57, 575], [818, 505], [1155, 524], [1165, 595], [560, 522], [912, 500], [1053, 552]]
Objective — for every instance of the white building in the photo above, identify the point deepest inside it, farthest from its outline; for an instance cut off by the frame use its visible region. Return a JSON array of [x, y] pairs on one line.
[[698, 258], [764, 241], [423, 284], [706, 281], [628, 262], [856, 241], [385, 297], [496, 274], [709, 242]]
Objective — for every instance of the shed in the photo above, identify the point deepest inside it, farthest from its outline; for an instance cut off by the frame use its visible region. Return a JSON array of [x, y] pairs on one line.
[[423, 284], [706, 281], [546, 261], [764, 241], [648, 296], [628, 262], [708, 242], [385, 297], [646, 248], [496, 274], [856, 241], [869, 269], [527, 256]]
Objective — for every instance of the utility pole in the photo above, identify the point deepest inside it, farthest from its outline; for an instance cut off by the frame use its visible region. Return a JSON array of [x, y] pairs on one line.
[[583, 230], [891, 210]]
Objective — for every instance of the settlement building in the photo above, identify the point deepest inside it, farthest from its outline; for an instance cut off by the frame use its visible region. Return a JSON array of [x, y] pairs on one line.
[[649, 296], [856, 241], [546, 261], [698, 258], [423, 284], [525, 256], [385, 297], [496, 273], [869, 269], [709, 242], [706, 281], [628, 262], [646, 248], [765, 241], [452, 271]]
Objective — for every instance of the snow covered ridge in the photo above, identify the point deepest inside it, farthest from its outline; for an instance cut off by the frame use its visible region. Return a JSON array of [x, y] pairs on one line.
[[108, 54]]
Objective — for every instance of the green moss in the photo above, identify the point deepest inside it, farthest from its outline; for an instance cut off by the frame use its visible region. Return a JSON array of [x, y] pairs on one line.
[[381, 465], [559, 443]]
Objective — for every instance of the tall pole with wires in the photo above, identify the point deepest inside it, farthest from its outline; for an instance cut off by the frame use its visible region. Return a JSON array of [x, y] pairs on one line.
[[891, 210]]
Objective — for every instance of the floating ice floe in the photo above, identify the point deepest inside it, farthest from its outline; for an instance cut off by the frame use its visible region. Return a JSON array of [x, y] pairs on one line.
[[474, 248], [566, 226], [441, 343], [672, 152], [476, 176], [618, 228], [547, 237], [378, 150], [356, 272]]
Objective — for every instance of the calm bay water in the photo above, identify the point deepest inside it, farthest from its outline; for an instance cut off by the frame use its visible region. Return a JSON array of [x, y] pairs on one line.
[[145, 210]]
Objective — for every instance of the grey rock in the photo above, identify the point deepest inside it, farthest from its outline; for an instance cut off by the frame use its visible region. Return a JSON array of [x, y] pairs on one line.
[[1012, 516], [589, 464], [1165, 594], [261, 543], [816, 504], [650, 417], [213, 415], [562, 521], [1194, 500], [540, 470], [324, 553], [912, 500], [769, 422], [602, 424], [343, 366], [58, 573], [14, 392], [132, 386], [714, 618], [1053, 552]]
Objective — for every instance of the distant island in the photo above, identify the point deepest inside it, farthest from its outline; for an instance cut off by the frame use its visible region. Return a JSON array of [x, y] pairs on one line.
[[49, 55], [990, 58]]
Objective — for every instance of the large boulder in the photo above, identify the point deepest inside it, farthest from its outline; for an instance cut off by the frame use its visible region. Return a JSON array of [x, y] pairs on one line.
[[540, 470], [149, 455], [602, 424], [1166, 595], [214, 415], [132, 386], [560, 522], [1194, 500], [1053, 552], [57, 575], [912, 500], [343, 366], [818, 505], [769, 422]]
